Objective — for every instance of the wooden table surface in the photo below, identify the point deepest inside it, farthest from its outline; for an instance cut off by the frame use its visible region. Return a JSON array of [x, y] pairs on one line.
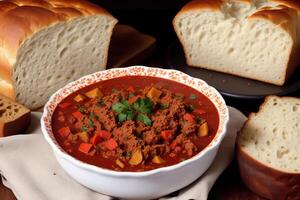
[[155, 19]]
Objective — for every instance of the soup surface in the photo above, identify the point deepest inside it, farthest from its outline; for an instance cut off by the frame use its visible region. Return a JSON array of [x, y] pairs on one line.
[[135, 123]]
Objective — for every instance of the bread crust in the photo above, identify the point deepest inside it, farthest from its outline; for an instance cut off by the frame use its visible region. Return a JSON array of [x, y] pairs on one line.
[[17, 126], [264, 180], [20, 19]]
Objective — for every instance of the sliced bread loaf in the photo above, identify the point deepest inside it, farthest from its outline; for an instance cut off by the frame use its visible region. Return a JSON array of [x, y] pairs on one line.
[[13, 117], [268, 149], [46, 44], [248, 38]]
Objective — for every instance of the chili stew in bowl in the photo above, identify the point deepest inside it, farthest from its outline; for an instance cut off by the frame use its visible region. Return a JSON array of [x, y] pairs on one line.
[[135, 123], [103, 119]]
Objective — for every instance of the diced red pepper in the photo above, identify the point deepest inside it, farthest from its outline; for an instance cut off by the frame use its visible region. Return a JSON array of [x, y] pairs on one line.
[[130, 89], [95, 139], [64, 132], [104, 134], [173, 144], [166, 135], [188, 117], [78, 115], [85, 147], [111, 144], [199, 111], [64, 105]]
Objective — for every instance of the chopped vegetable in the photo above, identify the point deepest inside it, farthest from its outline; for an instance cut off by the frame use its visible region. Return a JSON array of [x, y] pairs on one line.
[[199, 111], [144, 119], [94, 93], [188, 117], [130, 89], [64, 105], [174, 144], [136, 158], [154, 94], [111, 144], [157, 160], [85, 147], [120, 163], [78, 115], [166, 135], [79, 98], [64, 132], [95, 139], [84, 128], [84, 136], [104, 134], [203, 130], [193, 97]]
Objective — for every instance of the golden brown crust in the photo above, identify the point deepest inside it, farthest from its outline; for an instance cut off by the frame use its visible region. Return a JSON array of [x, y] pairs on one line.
[[21, 18], [265, 181], [262, 179], [202, 4], [289, 3], [16, 126]]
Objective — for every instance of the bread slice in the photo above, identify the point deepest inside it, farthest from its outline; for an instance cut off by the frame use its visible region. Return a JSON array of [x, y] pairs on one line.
[[268, 149], [14, 117], [252, 39], [46, 44]]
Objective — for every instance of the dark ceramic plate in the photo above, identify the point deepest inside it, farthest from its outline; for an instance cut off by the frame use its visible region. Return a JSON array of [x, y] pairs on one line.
[[227, 84]]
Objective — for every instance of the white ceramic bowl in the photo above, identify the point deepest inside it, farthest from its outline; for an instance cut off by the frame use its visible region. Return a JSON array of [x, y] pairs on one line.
[[136, 185]]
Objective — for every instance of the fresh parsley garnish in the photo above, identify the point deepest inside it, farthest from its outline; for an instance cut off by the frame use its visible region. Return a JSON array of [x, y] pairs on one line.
[[193, 97], [82, 109], [91, 123], [164, 106], [141, 107], [84, 129], [144, 118], [93, 116]]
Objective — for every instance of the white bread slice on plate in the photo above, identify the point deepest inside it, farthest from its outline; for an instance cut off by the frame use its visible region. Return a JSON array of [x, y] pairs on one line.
[[46, 44], [252, 39], [268, 149], [14, 117]]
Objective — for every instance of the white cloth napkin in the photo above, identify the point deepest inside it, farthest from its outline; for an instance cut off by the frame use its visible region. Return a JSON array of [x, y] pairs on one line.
[[30, 170]]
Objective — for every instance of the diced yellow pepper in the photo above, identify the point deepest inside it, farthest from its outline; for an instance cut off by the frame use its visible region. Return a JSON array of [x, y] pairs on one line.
[[79, 98], [120, 163], [84, 136], [203, 130], [154, 94], [94, 93], [136, 158], [157, 160]]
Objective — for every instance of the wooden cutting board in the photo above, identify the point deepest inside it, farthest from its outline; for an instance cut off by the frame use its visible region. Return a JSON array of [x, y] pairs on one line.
[[128, 46]]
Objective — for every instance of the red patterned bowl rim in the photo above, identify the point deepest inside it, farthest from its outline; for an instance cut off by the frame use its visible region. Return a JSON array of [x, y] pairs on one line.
[[174, 75]]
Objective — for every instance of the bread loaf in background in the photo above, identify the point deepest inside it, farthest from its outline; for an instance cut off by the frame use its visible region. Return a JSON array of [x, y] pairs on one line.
[[257, 39], [46, 44], [268, 149], [14, 117]]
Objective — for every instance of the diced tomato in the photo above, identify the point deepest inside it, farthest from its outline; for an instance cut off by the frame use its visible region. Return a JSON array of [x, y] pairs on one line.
[[111, 144], [78, 115], [64, 132], [130, 89], [199, 111], [173, 144], [104, 134], [188, 117], [85, 147], [95, 139], [64, 105], [166, 135]]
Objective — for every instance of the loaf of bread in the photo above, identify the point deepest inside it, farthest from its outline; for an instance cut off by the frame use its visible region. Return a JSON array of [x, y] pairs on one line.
[[46, 44], [257, 39], [14, 117], [268, 149]]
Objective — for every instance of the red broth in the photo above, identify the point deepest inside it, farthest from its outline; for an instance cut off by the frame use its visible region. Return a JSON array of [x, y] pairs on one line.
[[148, 133]]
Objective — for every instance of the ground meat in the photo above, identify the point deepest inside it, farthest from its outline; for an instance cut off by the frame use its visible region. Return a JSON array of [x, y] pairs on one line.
[[188, 127], [106, 116], [150, 137]]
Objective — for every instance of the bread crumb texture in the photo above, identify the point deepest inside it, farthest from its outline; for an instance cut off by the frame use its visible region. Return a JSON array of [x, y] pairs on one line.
[[10, 110], [272, 136]]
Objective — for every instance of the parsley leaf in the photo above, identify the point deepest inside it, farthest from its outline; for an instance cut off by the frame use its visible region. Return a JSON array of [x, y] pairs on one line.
[[145, 119], [122, 117], [84, 129], [119, 107], [143, 105], [193, 97]]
